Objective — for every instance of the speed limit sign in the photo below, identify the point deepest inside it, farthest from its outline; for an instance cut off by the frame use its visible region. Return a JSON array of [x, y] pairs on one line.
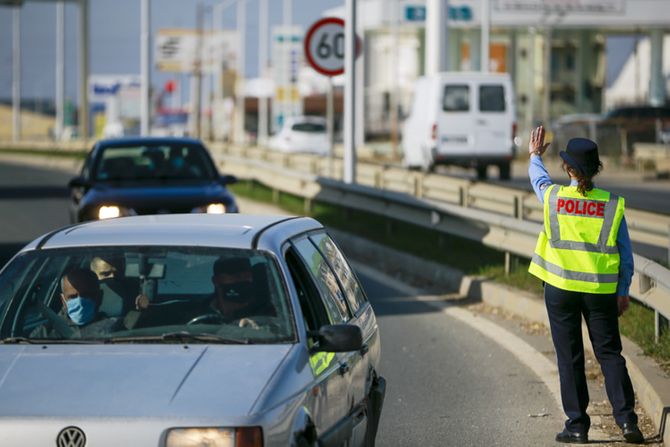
[[324, 46]]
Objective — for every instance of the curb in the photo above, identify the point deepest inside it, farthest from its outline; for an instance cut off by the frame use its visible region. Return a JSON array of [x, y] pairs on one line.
[[652, 386]]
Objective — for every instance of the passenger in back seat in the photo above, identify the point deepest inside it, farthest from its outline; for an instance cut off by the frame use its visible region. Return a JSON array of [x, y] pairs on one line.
[[120, 294]]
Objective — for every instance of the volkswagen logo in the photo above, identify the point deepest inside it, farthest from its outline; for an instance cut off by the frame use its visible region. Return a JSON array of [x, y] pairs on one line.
[[71, 437]]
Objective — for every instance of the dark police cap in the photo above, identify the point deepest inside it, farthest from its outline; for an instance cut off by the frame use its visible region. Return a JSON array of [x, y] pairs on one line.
[[232, 266], [582, 155]]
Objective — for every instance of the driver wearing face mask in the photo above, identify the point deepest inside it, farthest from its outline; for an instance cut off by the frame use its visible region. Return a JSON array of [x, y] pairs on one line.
[[235, 293], [80, 296]]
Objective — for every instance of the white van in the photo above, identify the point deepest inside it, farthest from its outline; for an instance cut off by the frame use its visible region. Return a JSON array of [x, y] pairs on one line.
[[461, 118]]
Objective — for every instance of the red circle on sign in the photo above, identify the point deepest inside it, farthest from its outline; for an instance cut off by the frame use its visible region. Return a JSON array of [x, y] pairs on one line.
[[310, 34]]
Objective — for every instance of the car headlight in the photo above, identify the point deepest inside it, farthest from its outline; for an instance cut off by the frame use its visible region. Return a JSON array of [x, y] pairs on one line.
[[109, 211], [212, 208], [214, 437]]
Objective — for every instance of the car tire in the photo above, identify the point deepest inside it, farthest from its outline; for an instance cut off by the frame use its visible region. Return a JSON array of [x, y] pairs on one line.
[[505, 171], [481, 172]]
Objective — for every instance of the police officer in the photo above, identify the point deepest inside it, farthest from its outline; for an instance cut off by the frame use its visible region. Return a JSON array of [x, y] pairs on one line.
[[585, 260]]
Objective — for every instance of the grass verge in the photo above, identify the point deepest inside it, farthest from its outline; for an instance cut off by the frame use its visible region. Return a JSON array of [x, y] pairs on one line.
[[468, 256]]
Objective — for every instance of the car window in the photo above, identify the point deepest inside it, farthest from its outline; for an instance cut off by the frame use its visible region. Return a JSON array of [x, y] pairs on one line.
[[491, 98], [313, 311], [456, 98], [325, 279], [153, 291], [309, 127], [152, 162], [352, 289]]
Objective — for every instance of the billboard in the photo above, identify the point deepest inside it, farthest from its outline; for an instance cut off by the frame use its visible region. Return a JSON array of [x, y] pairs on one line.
[[180, 50]]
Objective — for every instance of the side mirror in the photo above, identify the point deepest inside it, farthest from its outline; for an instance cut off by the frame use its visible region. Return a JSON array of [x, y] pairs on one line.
[[78, 182], [338, 338], [227, 179]]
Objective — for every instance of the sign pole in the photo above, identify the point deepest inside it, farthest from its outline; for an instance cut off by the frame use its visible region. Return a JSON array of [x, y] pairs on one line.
[[144, 67], [350, 92], [330, 124]]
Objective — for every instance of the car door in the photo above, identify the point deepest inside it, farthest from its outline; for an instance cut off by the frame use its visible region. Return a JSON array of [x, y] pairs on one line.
[[493, 119], [324, 303], [455, 126], [362, 363]]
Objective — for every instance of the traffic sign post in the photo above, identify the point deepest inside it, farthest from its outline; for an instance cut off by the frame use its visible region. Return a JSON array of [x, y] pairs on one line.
[[324, 46]]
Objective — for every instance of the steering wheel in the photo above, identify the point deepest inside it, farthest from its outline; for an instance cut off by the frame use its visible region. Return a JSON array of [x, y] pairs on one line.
[[58, 322], [214, 317]]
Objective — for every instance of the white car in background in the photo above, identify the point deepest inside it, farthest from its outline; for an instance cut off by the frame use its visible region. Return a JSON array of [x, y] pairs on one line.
[[304, 134]]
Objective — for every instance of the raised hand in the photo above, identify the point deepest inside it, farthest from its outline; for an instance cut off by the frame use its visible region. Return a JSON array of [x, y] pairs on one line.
[[537, 144]]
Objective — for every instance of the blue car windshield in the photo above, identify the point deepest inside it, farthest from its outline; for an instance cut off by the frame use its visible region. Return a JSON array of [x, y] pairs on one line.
[[152, 294], [153, 162]]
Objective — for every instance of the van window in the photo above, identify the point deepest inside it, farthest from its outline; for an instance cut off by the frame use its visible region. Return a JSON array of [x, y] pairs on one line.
[[456, 98], [491, 98]]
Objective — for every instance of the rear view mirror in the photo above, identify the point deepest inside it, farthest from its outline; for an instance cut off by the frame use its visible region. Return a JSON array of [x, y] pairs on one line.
[[78, 182], [338, 338], [155, 271], [228, 179]]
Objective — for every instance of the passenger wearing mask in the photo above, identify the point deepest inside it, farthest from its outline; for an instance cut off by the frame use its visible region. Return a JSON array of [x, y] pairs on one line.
[[120, 294], [79, 316], [236, 296]]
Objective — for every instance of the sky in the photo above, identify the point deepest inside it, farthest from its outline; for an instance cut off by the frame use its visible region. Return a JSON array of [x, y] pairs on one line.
[[115, 33]]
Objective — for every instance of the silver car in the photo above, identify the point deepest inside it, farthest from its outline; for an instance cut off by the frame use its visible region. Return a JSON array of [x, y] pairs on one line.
[[187, 330]]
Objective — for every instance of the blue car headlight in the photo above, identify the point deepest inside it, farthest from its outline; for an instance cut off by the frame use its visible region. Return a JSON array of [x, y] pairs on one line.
[[110, 211], [212, 208], [214, 437]]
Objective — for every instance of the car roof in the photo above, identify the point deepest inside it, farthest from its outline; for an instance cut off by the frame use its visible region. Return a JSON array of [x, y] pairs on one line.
[[223, 230], [147, 140]]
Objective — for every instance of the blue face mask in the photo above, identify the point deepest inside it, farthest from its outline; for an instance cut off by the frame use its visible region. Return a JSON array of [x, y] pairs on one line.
[[80, 310], [178, 163]]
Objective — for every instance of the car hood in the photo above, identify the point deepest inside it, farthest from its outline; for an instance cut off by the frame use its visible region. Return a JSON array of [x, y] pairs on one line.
[[157, 195], [174, 381]]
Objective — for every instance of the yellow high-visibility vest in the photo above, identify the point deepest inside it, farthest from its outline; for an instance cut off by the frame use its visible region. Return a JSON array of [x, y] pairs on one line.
[[577, 250]]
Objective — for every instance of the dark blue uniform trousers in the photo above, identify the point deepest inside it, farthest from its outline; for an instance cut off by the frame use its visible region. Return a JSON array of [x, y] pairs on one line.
[[600, 312]]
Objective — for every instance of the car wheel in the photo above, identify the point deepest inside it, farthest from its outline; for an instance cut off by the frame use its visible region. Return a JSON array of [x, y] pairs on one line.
[[374, 408], [481, 172], [504, 171], [307, 438]]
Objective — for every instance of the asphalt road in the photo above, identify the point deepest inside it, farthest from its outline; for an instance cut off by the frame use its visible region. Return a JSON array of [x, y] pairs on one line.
[[447, 383]]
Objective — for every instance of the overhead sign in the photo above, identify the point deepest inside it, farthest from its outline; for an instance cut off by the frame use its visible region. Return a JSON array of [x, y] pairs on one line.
[[185, 50], [595, 6], [324, 46]]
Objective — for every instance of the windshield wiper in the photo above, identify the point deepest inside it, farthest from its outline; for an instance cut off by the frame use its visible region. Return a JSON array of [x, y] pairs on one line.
[[42, 341], [179, 337]]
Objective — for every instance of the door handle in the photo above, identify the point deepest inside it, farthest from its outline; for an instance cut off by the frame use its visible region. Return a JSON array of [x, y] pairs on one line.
[[482, 122], [344, 368]]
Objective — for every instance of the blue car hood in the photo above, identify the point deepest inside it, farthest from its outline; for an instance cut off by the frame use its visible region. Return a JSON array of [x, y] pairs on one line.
[[199, 381], [148, 199]]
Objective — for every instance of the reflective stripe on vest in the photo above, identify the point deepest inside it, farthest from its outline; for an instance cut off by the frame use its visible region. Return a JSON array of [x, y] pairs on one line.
[[590, 264]]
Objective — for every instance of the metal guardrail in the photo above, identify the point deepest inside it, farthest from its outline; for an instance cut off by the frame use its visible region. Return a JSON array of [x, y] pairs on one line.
[[452, 207], [502, 218], [644, 227]]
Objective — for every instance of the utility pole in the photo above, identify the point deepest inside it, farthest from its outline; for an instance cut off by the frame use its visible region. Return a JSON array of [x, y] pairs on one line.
[[145, 24], [16, 73], [486, 29], [60, 69], [239, 84], [436, 36], [196, 81], [83, 68], [263, 25], [350, 91]]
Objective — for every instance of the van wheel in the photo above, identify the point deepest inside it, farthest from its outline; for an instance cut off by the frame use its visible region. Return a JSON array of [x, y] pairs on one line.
[[481, 172], [504, 170]]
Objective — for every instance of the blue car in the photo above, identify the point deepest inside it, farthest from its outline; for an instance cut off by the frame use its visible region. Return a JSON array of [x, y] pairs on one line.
[[146, 175]]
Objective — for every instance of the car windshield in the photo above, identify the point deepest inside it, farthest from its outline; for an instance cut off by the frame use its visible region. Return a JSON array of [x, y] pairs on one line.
[[144, 294], [309, 127], [153, 162]]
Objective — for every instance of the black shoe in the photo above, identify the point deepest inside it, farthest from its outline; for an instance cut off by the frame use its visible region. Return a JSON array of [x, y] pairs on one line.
[[572, 437], [632, 433]]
